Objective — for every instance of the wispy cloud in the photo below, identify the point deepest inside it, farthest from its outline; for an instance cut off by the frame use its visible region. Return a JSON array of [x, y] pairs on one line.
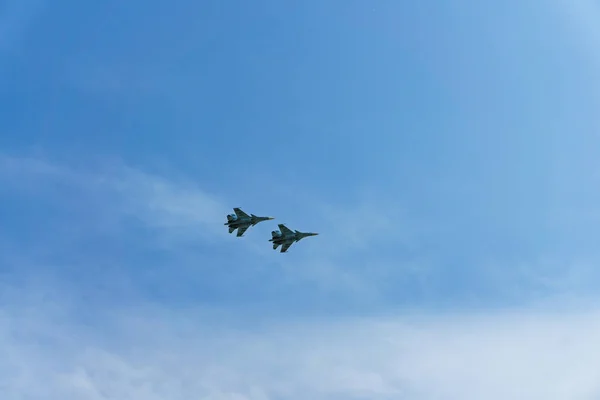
[[128, 192], [107, 230], [177, 203], [151, 353], [368, 251], [110, 199]]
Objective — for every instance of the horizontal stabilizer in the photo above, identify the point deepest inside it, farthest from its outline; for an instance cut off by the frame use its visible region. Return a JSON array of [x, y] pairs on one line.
[[231, 229]]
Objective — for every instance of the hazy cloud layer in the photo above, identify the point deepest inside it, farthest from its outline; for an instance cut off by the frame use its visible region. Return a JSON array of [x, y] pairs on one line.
[[154, 353], [56, 346]]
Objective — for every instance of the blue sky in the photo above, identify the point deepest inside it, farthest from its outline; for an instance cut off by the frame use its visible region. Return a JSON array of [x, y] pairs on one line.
[[445, 152]]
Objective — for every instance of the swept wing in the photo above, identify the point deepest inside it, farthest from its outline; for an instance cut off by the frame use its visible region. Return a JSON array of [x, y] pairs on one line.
[[240, 213], [285, 231]]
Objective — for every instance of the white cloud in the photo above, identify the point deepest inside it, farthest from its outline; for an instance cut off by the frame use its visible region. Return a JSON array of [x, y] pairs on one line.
[[154, 354]]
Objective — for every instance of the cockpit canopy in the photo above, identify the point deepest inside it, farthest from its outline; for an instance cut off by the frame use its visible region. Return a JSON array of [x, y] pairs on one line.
[[232, 217]]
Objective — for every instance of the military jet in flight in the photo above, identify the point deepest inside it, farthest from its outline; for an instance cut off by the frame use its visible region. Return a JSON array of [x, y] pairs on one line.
[[286, 237], [242, 221]]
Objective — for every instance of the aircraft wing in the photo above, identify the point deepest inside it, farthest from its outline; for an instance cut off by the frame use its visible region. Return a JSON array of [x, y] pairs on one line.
[[284, 247], [240, 213], [285, 231], [241, 230]]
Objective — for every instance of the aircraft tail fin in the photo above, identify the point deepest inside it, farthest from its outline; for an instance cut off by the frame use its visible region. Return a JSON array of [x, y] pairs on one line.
[[275, 246], [231, 229]]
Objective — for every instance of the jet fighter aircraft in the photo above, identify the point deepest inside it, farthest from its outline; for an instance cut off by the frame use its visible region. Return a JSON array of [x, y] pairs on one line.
[[242, 221], [286, 237]]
